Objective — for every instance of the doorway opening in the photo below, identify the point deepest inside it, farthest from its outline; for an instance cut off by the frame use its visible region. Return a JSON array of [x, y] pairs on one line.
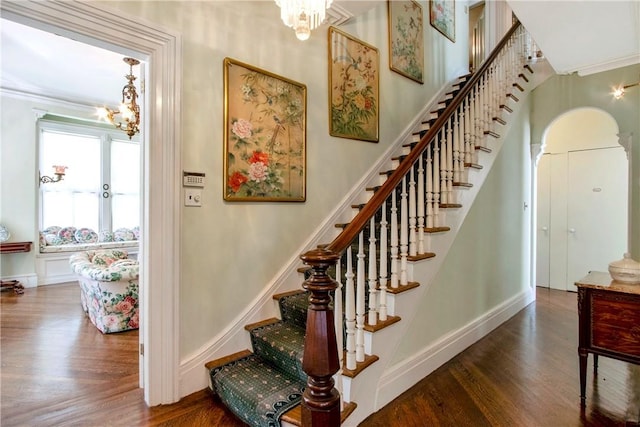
[[582, 198], [160, 227]]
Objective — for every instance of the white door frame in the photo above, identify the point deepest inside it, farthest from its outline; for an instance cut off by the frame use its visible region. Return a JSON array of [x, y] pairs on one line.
[[161, 217]]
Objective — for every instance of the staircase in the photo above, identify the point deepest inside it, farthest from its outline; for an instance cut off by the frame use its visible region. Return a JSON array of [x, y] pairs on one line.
[[295, 358]]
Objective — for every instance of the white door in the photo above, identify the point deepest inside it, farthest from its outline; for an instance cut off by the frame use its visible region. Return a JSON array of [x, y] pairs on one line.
[[596, 210], [543, 221]]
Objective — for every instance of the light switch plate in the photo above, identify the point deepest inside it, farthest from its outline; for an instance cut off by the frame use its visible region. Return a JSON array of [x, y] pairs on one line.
[[192, 197]]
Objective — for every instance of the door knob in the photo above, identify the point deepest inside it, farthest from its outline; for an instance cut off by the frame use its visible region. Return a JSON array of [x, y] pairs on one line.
[[572, 230], [545, 228]]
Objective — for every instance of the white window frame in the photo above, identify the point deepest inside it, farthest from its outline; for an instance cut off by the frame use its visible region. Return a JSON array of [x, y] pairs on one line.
[[106, 136]]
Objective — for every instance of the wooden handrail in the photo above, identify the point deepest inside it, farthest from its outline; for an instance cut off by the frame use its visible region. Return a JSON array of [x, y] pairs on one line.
[[351, 230]]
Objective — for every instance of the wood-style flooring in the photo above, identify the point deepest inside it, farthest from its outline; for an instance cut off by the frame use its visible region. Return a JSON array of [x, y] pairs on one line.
[[59, 370]]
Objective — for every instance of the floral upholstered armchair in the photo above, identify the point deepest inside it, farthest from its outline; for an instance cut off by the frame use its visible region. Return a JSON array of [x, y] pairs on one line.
[[108, 288]]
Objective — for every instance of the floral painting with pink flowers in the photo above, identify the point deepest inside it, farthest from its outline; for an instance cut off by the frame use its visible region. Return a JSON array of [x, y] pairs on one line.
[[265, 135], [354, 71], [443, 17]]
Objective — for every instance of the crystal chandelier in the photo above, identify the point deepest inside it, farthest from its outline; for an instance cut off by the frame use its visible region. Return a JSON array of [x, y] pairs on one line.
[[129, 108], [303, 15]]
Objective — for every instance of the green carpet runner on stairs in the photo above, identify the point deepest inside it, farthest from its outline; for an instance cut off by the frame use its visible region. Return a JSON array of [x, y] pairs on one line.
[[259, 388]]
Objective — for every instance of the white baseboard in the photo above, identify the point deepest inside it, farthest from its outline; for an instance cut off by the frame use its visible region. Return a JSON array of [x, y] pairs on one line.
[[27, 280], [402, 376]]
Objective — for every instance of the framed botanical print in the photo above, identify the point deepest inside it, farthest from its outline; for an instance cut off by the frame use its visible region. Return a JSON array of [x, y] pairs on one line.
[[264, 135], [443, 17], [406, 39], [354, 71]]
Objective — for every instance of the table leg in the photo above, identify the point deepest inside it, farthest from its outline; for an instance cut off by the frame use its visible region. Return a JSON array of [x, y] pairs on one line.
[[595, 364], [583, 373]]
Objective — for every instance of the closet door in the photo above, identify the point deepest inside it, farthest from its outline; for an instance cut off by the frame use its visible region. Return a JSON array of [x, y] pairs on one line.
[[596, 210], [543, 221]]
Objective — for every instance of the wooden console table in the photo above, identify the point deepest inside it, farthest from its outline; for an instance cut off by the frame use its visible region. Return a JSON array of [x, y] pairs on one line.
[[13, 248], [609, 321]]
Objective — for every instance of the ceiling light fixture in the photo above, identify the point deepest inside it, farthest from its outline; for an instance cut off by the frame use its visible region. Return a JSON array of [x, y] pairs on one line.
[[303, 15], [618, 92], [129, 109]]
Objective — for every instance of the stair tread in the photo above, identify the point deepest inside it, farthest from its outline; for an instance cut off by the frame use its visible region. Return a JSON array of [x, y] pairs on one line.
[[369, 359], [227, 359], [403, 288], [381, 324], [436, 229], [252, 326], [420, 257], [255, 390], [281, 344]]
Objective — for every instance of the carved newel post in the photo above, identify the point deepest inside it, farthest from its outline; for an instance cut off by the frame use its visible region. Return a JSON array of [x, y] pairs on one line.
[[320, 401]]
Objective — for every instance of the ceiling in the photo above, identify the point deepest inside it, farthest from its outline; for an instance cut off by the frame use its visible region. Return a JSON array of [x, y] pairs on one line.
[[575, 36], [583, 37]]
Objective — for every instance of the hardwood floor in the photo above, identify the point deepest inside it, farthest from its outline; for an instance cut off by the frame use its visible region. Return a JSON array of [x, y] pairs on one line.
[[59, 370]]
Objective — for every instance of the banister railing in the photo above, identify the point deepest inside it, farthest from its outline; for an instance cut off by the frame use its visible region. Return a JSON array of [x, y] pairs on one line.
[[411, 196]]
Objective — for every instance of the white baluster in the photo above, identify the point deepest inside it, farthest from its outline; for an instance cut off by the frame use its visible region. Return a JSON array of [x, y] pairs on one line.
[[429, 188], [457, 168], [449, 158], [420, 204], [373, 273], [468, 158], [404, 232], [382, 306], [350, 313], [413, 248], [360, 305], [394, 241], [436, 182], [444, 196]]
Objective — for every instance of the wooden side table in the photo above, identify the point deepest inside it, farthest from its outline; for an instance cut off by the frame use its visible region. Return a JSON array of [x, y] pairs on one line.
[[13, 248], [609, 321]]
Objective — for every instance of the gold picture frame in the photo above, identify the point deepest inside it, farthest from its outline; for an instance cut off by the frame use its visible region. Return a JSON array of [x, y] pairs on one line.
[[442, 15], [354, 87], [406, 39], [264, 135]]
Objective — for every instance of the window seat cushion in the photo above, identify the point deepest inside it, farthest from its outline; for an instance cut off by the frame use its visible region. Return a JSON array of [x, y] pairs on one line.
[[75, 247]]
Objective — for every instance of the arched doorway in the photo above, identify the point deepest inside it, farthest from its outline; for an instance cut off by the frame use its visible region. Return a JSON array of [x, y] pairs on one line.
[[582, 198]]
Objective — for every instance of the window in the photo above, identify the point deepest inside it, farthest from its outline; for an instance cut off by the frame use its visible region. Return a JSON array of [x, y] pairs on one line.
[[101, 188]]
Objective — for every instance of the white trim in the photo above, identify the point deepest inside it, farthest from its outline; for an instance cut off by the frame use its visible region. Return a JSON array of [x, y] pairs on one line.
[[161, 231], [605, 66], [402, 376]]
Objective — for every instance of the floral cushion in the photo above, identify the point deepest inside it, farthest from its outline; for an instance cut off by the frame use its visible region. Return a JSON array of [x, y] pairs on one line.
[[105, 236], [106, 258], [85, 235], [67, 234], [52, 230], [123, 234], [101, 265]]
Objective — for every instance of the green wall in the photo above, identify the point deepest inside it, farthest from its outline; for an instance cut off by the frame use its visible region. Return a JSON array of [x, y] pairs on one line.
[[232, 251]]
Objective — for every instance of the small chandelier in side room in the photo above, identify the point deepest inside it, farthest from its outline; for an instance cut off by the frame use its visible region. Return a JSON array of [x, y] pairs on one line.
[[129, 109], [303, 15]]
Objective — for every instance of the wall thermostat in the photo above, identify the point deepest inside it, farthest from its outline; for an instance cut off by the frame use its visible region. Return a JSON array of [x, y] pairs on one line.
[[192, 179]]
